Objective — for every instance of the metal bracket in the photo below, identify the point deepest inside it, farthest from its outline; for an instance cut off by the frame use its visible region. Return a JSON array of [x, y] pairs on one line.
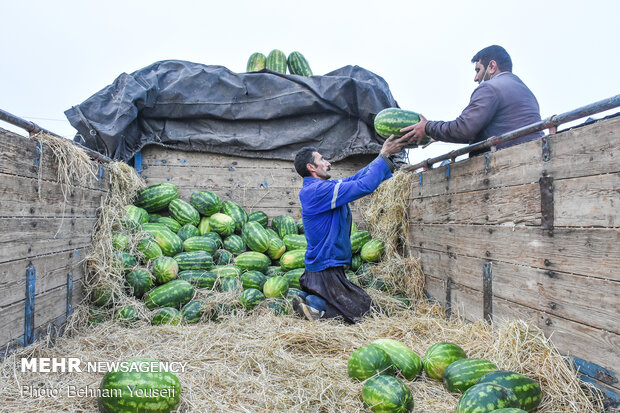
[[487, 162], [546, 150], [29, 305], [546, 202], [487, 291], [448, 171], [448, 297], [420, 177], [69, 294]]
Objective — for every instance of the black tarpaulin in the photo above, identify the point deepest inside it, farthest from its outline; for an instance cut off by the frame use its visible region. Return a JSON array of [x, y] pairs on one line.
[[197, 107]]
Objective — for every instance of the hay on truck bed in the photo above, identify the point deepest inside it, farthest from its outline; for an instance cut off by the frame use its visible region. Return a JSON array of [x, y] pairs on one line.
[[259, 362]]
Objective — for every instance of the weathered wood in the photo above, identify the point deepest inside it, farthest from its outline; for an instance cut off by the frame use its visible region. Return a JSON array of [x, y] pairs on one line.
[[30, 237], [515, 204], [590, 252], [27, 197], [51, 272], [592, 201], [48, 306], [586, 300], [584, 151], [19, 156]]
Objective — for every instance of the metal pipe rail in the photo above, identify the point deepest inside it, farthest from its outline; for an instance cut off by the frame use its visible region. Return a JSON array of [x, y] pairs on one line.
[[32, 128], [549, 123]]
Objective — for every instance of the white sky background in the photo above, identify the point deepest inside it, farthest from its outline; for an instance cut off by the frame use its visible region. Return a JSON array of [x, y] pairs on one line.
[[55, 54]]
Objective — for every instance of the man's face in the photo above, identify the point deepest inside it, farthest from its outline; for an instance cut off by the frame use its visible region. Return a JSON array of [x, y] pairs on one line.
[[480, 72], [321, 166]]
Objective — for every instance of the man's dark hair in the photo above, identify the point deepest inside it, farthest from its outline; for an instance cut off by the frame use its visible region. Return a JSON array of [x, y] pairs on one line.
[[497, 53], [302, 158]]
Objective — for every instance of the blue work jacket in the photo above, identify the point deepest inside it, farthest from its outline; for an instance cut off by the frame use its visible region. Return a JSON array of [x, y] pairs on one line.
[[327, 217]]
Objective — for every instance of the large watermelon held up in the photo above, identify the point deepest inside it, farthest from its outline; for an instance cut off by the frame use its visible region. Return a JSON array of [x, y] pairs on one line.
[[391, 120]]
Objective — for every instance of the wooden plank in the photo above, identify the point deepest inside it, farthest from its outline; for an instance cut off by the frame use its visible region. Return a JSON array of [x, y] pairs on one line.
[[19, 198], [435, 288], [51, 272], [30, 237], [48, 306], [591, 252], [153, 155], [592, 201], [584, 151], [586, 300], [19, 156], [515, 204]]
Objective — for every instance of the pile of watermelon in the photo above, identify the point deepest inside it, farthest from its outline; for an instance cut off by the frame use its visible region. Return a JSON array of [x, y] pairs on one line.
[[176, 255], [277, 61], [386, 364]]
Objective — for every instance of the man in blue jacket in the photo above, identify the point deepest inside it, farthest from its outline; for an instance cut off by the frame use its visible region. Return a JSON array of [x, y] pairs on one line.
[[501, 103], [327, 222]]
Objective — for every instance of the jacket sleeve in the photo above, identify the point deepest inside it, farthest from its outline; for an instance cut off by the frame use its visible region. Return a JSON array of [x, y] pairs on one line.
[[335, 193], [474, 118]]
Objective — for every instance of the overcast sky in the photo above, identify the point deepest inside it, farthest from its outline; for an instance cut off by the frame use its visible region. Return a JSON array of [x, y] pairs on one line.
[[55, 54]]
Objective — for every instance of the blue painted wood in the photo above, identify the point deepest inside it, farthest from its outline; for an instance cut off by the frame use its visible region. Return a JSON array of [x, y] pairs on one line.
[[595, 374], [137, 162], [29, 305], [613, 396], [69, 294]]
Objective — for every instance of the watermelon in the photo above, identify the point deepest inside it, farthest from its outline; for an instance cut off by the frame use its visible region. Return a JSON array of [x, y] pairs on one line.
[[120, 241], [234, 243], [198, 278], [171, 223], [391, 120], [462, 374], [253, 279], [276, 248], [97, 316], [127, 314], [368, 361], [194, 260], [230, 284], [252, 260], [300, 226], [260, 217], [166, 315], [154, 217], [295, 242], [292, 292], [168, 241], [223, 257], [256, 62], [236, 212], [278, 306], [276, 61], [156, 197], [356, 262], [255, 236], [372, 250], [135, 216], [293, 276], [183, 212], [226, 271], [165, 269], [509, 410], [154, 390], [405, 360], [251, 297], [298, 65], [272, 234], [387, 394], [284, 225], [200, 243], [192, 312], [439, 356], [187, 231], [215, 237], [102, 296], [205, 202], [527, 390], [273, 271], [204, 226], [139, 282], [293, 259], [174, 294], [486, 397], [222, 224], [358, 239], [275, 287], [126, 261], [149, 248]]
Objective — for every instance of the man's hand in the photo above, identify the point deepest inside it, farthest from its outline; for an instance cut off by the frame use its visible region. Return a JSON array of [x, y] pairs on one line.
[[415, 133], [393, 145]]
